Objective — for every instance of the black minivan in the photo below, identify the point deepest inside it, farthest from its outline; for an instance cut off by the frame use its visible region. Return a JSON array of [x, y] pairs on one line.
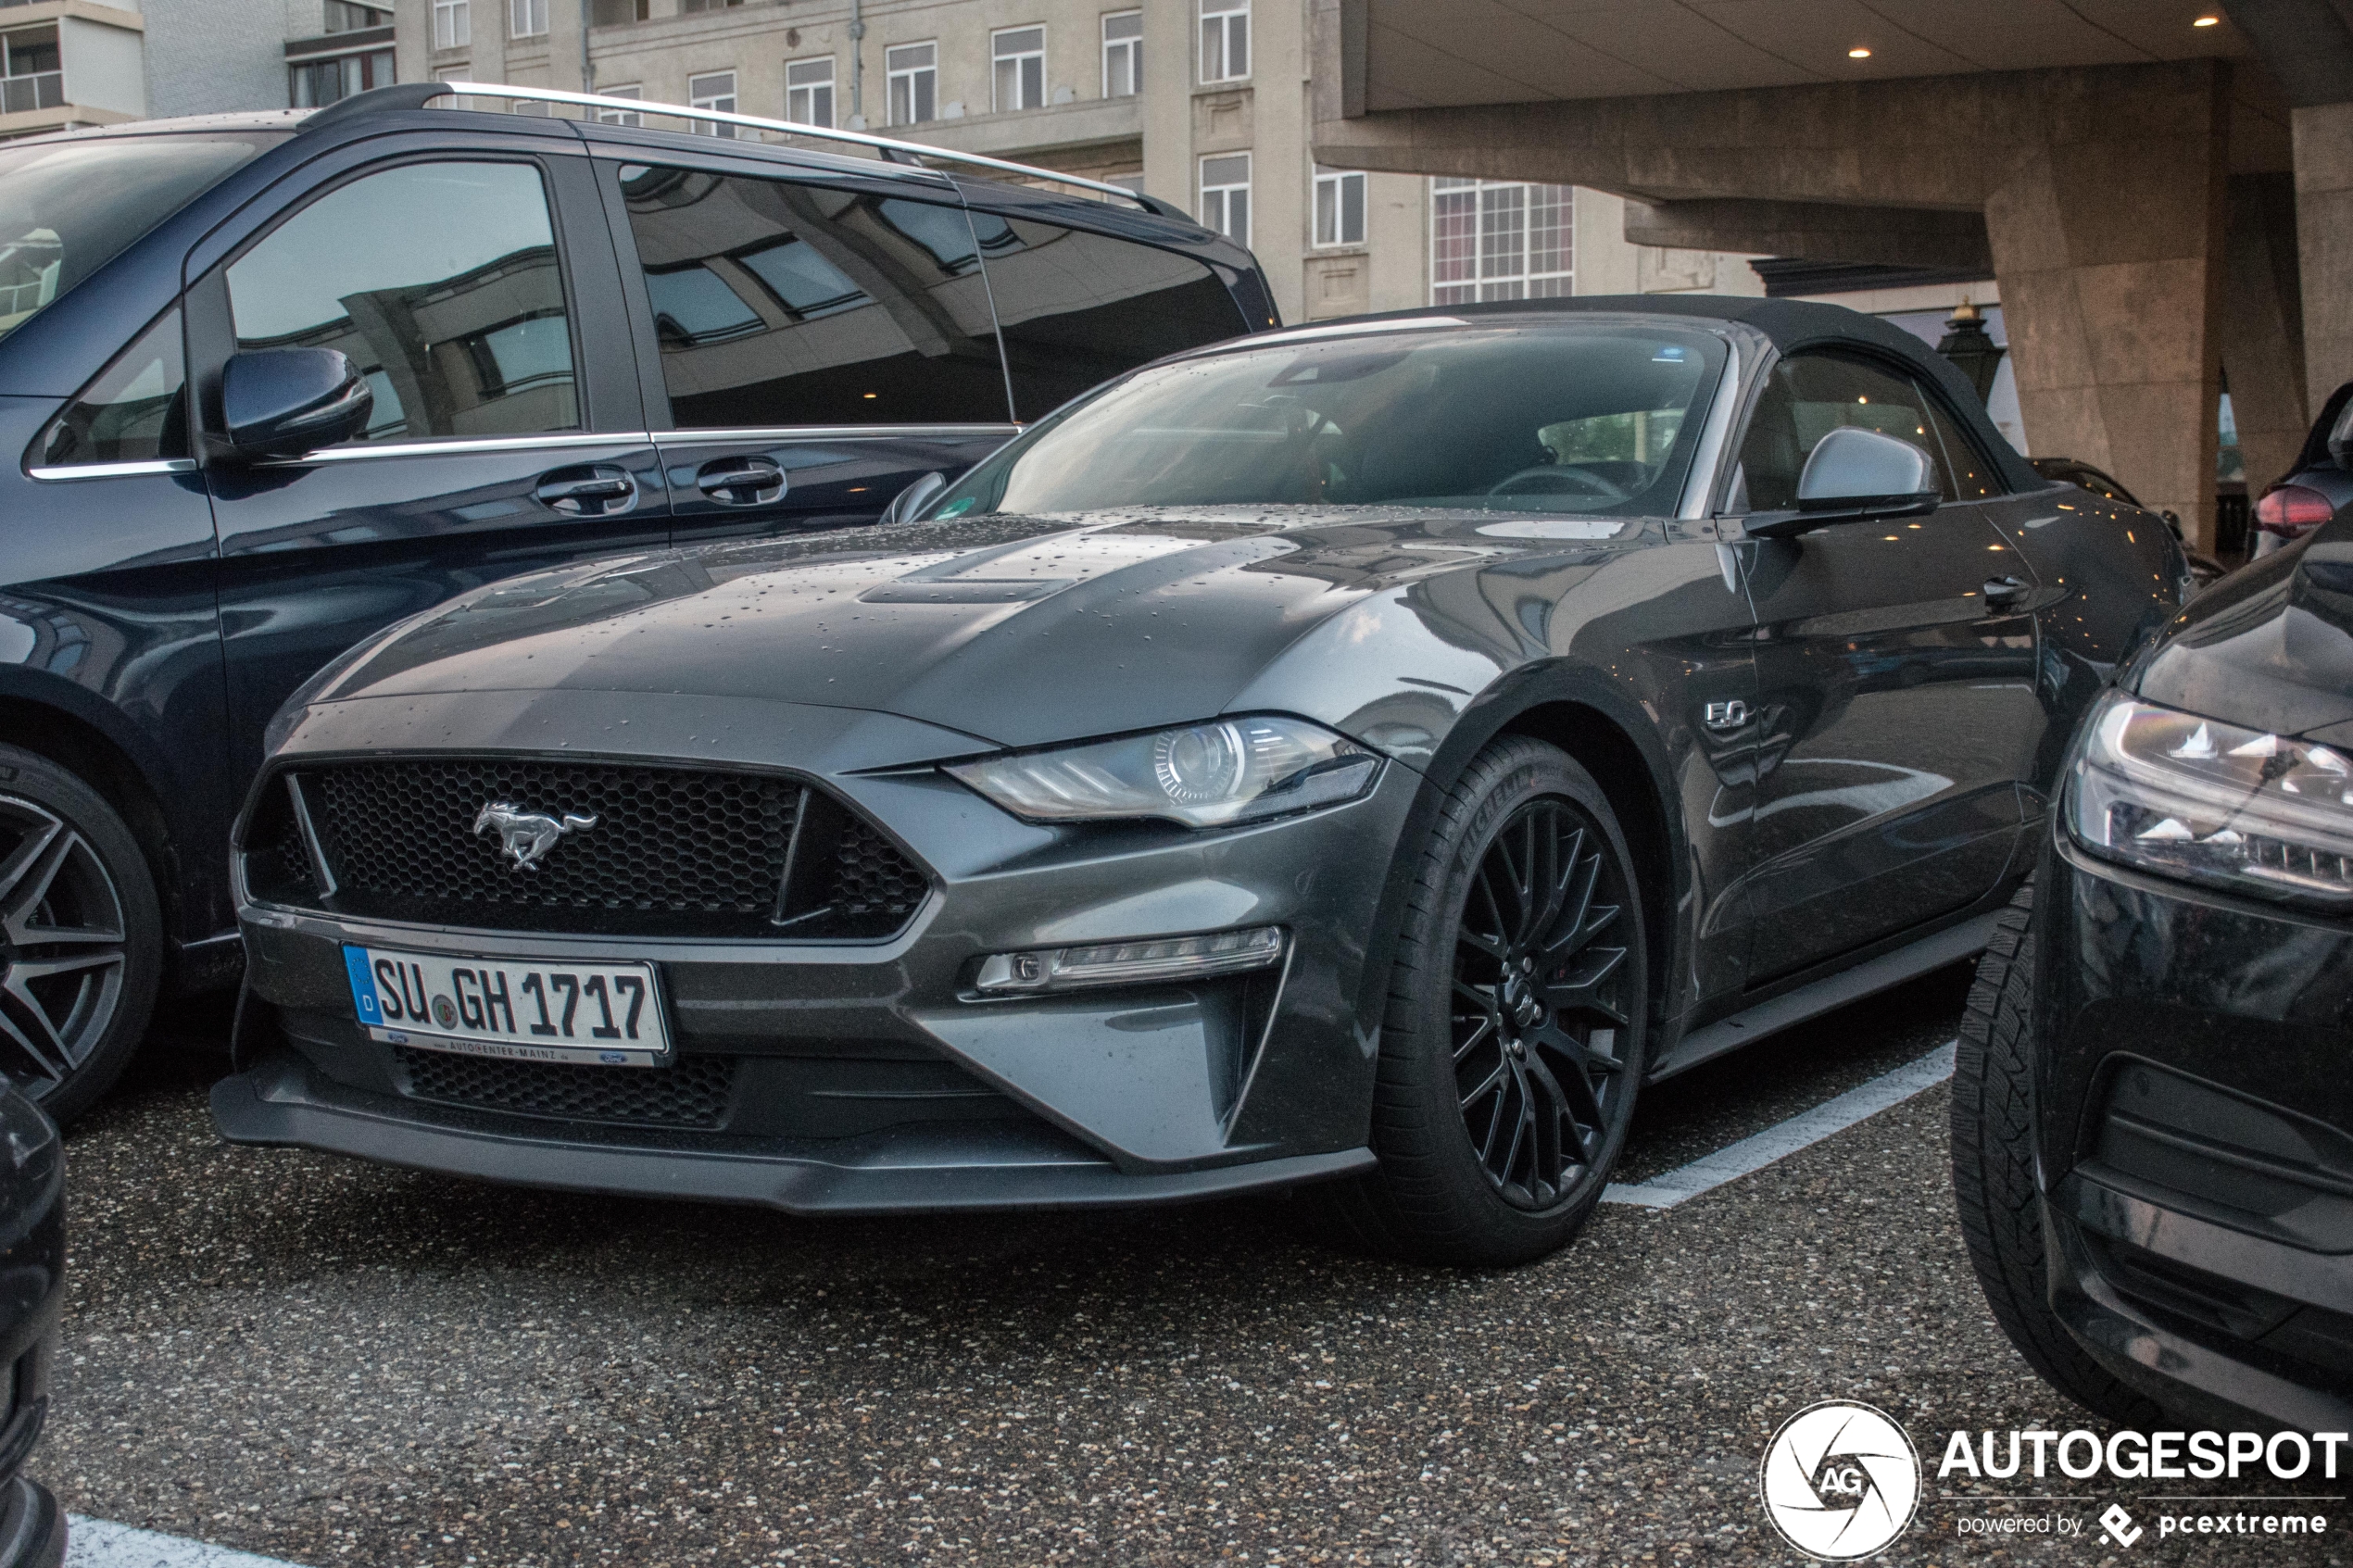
[[270, 382]]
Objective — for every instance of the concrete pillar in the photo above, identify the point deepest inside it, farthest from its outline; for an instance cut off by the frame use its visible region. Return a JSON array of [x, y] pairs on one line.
[[2263, 326], [2324, 242], [2107, 240]]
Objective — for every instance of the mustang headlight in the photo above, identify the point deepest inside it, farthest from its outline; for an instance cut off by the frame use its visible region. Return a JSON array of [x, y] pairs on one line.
[[1203, 775], [2194, 797]]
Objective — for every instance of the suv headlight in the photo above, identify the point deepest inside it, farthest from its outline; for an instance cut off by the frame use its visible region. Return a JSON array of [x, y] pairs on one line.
[[1203, 775], [2195, 797]]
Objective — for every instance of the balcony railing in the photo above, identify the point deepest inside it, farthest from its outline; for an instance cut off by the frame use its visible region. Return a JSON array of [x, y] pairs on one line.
[[23, 94]]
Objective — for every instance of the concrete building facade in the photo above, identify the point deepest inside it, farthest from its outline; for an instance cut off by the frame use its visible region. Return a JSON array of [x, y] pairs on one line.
[[1206, 103], [66, 63]]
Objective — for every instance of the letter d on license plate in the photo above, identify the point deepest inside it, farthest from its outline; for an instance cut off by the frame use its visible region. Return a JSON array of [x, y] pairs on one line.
[[519, 1009]]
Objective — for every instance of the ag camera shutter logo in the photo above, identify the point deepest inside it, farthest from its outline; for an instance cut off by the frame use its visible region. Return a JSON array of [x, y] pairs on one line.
[[1839, 1481]]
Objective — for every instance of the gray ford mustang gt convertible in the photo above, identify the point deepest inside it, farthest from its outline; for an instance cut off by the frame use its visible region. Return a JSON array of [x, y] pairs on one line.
[[1359, 756]]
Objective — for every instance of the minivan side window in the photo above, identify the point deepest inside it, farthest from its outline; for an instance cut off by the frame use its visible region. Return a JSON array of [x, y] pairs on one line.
[[1811, 395], [779, 304], [133, 412], [441, 282], [1078, 309]]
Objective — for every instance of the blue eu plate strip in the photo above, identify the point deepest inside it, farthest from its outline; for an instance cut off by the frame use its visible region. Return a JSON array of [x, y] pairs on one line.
[[363, 985]]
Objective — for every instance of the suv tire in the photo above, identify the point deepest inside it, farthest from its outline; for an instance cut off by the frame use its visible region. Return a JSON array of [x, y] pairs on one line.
[[2001, 1211]]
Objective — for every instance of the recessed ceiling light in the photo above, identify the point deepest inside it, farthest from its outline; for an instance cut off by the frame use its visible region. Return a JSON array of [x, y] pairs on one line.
[[1858, 53], [2207, 21]]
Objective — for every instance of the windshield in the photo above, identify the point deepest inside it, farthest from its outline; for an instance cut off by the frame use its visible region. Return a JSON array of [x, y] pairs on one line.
[[1552, 417], [67, 208]]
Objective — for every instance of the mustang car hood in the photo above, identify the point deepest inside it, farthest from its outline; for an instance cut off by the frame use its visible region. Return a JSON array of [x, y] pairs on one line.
[[2270, 647], [1015, 630]]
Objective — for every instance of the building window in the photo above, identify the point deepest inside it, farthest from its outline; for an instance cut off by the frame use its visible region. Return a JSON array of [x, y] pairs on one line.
[[452, 24], [692, 5], [619, 13], [315, 83], [1019, 56], [912, 71], [715, 92], [351, 16], [1224, 196], [621, 116], [1122, 54], [1339, 206], [1225, 39], [32, 73], [1499, 241], [809, 92], [527, 18]]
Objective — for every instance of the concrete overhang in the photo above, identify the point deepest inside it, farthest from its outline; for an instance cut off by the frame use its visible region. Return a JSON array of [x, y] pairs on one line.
[[15, 17], [1701, 110], [1398, 55]]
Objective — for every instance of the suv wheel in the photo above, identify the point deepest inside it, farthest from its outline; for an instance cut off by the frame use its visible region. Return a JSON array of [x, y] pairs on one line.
[[1993, 1172], [1514, 1042], [81, 938]]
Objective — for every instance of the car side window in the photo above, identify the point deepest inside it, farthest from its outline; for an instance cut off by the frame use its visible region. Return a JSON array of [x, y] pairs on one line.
[[1967, 476], [1806, 398], [776, 303], [441, 282], [135, 411], [1078, 309]]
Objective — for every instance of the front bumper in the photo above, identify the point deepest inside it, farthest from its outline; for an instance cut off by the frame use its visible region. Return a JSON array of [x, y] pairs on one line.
[[867, 1075], [2195, 1112]]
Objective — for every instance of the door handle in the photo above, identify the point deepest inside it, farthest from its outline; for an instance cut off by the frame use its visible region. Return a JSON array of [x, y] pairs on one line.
[[2003, 593], [741, 481], [600, 490]]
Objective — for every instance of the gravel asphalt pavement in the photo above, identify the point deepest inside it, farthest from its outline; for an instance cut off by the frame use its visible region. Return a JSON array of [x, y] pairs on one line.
[[332, 1362]]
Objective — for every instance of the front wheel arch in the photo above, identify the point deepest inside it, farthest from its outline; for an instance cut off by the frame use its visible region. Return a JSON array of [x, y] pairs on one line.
[[1584, 714]]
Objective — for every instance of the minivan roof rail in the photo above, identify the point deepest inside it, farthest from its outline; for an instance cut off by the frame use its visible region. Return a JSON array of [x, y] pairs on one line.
[[417, 95]]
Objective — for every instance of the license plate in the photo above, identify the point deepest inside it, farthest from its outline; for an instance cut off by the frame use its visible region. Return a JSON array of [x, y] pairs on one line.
[[519, 1009]]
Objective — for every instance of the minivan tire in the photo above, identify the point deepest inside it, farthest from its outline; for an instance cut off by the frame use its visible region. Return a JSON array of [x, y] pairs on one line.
[[80, 937]]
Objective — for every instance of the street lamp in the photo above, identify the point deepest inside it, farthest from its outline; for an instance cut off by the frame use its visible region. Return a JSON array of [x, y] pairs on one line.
[[1968, 344]]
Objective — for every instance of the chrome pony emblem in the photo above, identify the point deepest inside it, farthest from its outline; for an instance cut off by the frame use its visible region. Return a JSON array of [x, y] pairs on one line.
[[528, 836]]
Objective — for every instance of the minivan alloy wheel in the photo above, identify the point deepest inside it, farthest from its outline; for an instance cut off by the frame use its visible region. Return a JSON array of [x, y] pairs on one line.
[[1538, 1017], [62, 945]]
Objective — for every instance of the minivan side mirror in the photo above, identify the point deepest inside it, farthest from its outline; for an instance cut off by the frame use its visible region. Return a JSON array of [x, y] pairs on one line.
[[1855, 475], [914, 499], [282, 401]]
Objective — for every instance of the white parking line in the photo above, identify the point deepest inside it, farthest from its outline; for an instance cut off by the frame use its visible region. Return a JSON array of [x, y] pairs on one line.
[[1785, 1138], [99, 1543]]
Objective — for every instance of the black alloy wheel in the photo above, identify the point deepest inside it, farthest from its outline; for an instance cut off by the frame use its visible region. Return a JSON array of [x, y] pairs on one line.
[[1539, 961], [1517, 1023], [80, 936]]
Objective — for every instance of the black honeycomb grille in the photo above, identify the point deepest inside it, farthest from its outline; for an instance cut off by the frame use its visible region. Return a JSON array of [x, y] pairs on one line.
[[693, 1091], [873, 879], [678, 850]]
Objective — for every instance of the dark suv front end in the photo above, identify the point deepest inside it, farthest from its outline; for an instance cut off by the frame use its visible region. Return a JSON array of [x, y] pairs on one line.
[[2193, 1069]]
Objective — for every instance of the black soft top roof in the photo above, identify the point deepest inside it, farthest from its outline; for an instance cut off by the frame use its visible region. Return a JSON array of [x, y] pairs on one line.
[[1790, 324]]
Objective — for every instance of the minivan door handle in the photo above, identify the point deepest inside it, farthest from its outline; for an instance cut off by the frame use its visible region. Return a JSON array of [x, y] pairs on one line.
[[741, 481], [598, 489]]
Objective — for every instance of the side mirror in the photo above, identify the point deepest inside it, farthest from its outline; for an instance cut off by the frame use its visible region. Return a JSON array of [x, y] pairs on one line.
[[282, 401], [1854, 475], [914, 499]]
